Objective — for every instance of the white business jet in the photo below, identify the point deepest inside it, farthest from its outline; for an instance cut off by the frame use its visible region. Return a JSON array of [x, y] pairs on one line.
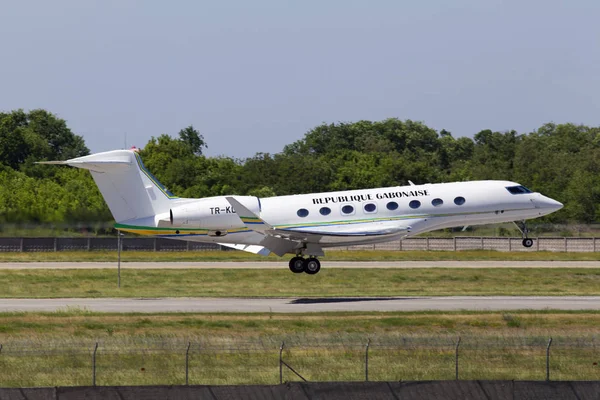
[[305, 224]]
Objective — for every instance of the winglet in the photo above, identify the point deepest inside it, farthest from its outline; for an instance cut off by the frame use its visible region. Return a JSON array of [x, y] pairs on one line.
[[249, 218]]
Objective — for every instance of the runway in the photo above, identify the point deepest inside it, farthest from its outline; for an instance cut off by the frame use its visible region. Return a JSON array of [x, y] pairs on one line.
[[283, 264], [304, 305]]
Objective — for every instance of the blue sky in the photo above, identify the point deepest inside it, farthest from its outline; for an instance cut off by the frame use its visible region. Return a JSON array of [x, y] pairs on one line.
[[254, 76]]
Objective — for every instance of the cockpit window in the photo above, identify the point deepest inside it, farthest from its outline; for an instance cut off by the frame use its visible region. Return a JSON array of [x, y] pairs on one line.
[[518, 189]]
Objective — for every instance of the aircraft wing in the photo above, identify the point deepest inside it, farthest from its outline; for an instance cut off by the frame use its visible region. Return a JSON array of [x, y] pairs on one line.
[[272, 241], [249, 248], [250, 219], [379, 228]]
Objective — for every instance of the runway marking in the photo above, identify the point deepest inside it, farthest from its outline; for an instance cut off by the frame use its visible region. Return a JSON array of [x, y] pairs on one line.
[[304, 305]]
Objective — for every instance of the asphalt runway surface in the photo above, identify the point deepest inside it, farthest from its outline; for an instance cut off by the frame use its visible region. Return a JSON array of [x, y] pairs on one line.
[[305, 305], [283, 264]]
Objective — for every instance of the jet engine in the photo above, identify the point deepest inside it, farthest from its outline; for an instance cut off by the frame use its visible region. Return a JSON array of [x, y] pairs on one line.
[[213, 213]]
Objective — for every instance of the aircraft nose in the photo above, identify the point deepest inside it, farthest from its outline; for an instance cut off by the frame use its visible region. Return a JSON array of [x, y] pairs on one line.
[[548, 203]]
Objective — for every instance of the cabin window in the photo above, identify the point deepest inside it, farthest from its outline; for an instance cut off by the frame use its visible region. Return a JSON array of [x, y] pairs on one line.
[[414, 204], [370, 208], [392, 205], [459, 201], [518, 189], [347, 209], [437, 202], [303, 212], [325, 210]]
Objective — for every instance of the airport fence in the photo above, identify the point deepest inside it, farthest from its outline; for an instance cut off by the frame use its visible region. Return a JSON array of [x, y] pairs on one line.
[[458, 243], [267, 361]]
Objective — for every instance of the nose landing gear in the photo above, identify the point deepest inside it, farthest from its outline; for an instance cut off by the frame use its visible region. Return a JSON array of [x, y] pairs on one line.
[[527, 242], [309, 265]]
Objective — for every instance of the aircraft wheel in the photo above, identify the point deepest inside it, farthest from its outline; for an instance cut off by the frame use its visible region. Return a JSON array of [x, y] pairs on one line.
[[527, 242], [297, 265], [312, 266]]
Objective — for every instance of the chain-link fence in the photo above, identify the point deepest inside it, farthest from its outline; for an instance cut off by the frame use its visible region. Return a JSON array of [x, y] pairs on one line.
[[50, 244], [269, 361]]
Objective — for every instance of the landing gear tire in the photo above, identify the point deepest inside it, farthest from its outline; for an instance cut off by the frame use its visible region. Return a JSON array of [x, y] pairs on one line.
[[524, 231], [312, 266], [297, 265]]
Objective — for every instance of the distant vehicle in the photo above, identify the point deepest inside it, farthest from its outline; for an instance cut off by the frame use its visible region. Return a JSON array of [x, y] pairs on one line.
[[304, 224]]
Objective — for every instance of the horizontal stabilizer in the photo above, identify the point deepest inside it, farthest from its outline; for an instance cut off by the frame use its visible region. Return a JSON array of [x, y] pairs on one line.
[[76, 161], [53, 162]]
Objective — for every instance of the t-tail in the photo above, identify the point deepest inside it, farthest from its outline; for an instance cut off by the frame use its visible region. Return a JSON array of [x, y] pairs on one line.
[[129, 189]]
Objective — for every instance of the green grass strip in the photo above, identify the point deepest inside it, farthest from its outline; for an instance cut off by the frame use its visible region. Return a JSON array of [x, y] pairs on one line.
[[331, 255], [282, 283]]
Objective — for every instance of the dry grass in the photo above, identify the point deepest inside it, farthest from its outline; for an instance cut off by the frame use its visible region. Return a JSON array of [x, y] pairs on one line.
[[46, 349], [79, 323]]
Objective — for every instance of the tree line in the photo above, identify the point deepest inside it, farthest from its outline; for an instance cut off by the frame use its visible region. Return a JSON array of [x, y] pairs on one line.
[[559, 160]]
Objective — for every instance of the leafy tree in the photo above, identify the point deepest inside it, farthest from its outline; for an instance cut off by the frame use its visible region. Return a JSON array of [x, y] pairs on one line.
[[493, 154], [559, 160], [262, 192], [193, 139], [37, 135]]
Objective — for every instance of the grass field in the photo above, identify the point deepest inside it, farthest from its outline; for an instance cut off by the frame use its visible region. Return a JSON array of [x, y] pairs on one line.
[[282, 283], [352, 255], [46, 349]]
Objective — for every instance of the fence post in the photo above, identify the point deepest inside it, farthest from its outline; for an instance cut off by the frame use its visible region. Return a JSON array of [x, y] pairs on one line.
[[187, 363], [367, 360], [154, 244], [456, 358], [94, 365], [481, 242], [454, 243], [548, 360], [55, 245], [281, 363], [509, 244], [119, 245], [0, 348], [22, 245], [594, 244], [400, 245], [566, 247]]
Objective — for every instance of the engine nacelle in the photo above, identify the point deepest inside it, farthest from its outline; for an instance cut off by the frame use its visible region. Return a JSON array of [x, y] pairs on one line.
[[213, 213]]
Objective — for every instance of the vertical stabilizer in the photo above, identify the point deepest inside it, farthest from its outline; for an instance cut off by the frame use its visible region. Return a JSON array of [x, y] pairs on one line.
[[128, 188]]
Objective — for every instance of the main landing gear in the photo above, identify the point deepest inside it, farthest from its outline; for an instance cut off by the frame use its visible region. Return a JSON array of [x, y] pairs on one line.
[[527, 242], [309, 265]]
